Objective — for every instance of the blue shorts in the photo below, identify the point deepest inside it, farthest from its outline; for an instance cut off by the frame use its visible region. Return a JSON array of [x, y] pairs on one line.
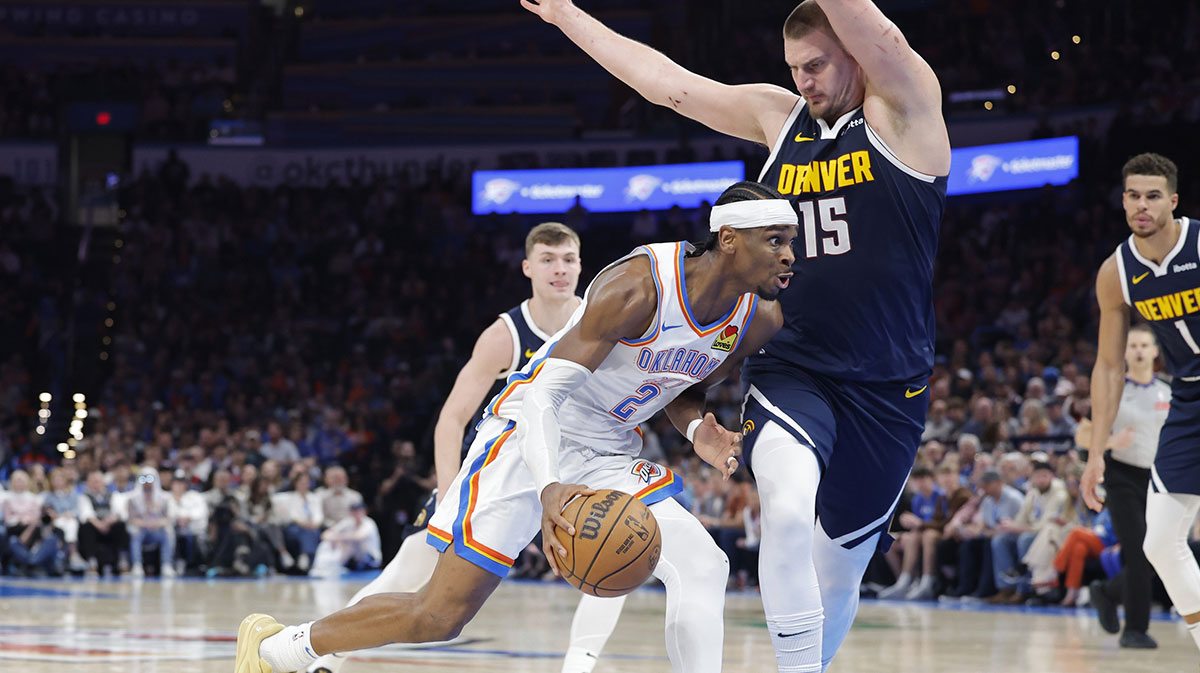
[[1177, 463], [865, 436]]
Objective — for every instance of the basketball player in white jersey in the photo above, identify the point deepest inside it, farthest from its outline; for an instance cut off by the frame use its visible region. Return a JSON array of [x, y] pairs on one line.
[[553, 264], [657, 328], [1140, 416], [1156, 271]]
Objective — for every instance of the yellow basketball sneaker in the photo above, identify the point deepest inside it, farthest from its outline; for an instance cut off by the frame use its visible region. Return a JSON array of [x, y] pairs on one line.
[[254, 629]]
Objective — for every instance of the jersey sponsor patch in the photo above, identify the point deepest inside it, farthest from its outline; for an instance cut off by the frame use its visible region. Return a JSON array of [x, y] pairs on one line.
[[726, 339], [646, 471]]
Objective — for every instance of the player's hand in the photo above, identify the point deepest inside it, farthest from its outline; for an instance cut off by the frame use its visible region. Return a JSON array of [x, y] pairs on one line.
[[717, 446], [549, 10], [1122, 440], [1093, 476], [554, 497]]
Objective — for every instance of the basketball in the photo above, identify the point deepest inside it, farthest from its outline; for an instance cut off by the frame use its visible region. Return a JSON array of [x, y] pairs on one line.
[[615, 547]]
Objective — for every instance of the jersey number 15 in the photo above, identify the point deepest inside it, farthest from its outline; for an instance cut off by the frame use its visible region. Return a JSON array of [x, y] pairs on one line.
[[835, 232]]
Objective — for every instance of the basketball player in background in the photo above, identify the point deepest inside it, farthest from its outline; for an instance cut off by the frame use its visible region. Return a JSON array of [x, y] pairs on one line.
[[657, 328], [1157, 272], [1142, 410], [552, 263], [837, 402]]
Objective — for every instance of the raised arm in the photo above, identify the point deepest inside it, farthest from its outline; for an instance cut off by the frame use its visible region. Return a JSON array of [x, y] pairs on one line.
[[492, 355], [900, 84], [754, 112], [716, 445], [1108, 376]]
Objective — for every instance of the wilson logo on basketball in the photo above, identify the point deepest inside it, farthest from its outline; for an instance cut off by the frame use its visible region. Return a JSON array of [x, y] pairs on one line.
[[590, 529], [726, 339], [646, 471]]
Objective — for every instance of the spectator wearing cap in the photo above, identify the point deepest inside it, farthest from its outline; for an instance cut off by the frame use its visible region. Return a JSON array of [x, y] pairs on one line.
[[150, 523], [352, 543], [1045, 502], [1000, 502], [189, 512]]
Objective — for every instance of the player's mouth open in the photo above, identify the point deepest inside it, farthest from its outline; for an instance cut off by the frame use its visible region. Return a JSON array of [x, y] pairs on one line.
[[783, 279]]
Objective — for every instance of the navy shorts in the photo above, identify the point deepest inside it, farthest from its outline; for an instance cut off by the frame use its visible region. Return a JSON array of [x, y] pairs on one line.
[[422, 521], [1177, 463], [865, 435]]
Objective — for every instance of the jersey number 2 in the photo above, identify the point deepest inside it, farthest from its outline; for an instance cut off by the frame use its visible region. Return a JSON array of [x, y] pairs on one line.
[[625, 409], [826, 211]]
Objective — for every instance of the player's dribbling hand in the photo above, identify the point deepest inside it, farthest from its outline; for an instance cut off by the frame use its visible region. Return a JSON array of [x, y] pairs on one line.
[[717, 446], [547, 9], [1093, 476], [554, 497]]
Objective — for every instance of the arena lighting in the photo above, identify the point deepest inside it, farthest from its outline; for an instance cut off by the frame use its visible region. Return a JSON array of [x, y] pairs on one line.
[[1012, 88], [80, 414], [987, 105], [69, 454], [103, 117], [62, 447], [43, 413], [103, 356], [79, 397], [1054, 55], [108, 322], [45, 397], [1076, 39], [41, 430]]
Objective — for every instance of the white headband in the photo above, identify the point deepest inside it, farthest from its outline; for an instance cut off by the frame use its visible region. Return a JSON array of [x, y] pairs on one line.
[[756, 213]]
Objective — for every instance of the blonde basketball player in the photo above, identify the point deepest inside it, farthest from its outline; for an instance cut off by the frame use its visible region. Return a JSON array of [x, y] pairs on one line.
[[656, 329], [552, 263]]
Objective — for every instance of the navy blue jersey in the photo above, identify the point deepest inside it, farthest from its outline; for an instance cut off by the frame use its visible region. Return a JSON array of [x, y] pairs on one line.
[[526, 338], [1167, 295], [860, 306]]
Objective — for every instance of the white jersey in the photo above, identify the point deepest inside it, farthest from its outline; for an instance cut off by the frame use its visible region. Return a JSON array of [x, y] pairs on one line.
[[1143, 406], [640, 376]]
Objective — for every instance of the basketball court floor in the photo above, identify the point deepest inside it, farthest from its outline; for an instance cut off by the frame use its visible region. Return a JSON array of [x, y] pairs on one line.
[[190, 625]]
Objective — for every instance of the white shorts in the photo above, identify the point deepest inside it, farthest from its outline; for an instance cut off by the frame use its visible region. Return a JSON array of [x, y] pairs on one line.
[[492, 510]]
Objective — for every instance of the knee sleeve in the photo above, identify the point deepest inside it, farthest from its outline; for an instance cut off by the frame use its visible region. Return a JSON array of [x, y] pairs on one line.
[[694, 570]]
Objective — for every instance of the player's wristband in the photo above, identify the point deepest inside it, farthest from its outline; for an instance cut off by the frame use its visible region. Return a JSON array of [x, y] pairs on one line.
[[691, 429]]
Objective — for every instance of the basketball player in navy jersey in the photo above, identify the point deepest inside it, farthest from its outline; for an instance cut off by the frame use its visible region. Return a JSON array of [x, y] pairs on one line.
[[1156, 271], [837, 401], [552, 264]]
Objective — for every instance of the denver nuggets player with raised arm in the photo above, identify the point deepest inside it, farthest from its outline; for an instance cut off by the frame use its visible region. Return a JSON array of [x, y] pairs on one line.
[[552, 263], [1156, 272], [837, 402], [656, 328]]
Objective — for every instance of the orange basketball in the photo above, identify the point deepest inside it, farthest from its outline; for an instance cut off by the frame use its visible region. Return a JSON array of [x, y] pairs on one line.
[[615, 547]]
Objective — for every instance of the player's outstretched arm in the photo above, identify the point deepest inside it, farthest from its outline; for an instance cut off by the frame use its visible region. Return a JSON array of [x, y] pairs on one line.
[[492, 355], [1108, 376], [897, 77], [754, 112], [621, 304], [718, 446]]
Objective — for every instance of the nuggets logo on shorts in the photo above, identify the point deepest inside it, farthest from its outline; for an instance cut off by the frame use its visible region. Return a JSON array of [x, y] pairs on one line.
[[646, 471], [747, 428], [726, 339], [420, 518]]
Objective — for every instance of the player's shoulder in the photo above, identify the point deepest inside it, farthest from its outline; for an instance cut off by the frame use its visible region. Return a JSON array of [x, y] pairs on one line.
[[769, 315], [629, 283]]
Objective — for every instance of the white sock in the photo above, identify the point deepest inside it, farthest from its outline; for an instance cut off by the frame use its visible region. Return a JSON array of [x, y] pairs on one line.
[[904, 580], [797, 641], [290, 649], [579, 660], [594, 621]]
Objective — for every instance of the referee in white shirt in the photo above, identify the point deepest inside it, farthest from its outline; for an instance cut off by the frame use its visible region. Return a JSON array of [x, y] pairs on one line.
[[1145, 401]]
